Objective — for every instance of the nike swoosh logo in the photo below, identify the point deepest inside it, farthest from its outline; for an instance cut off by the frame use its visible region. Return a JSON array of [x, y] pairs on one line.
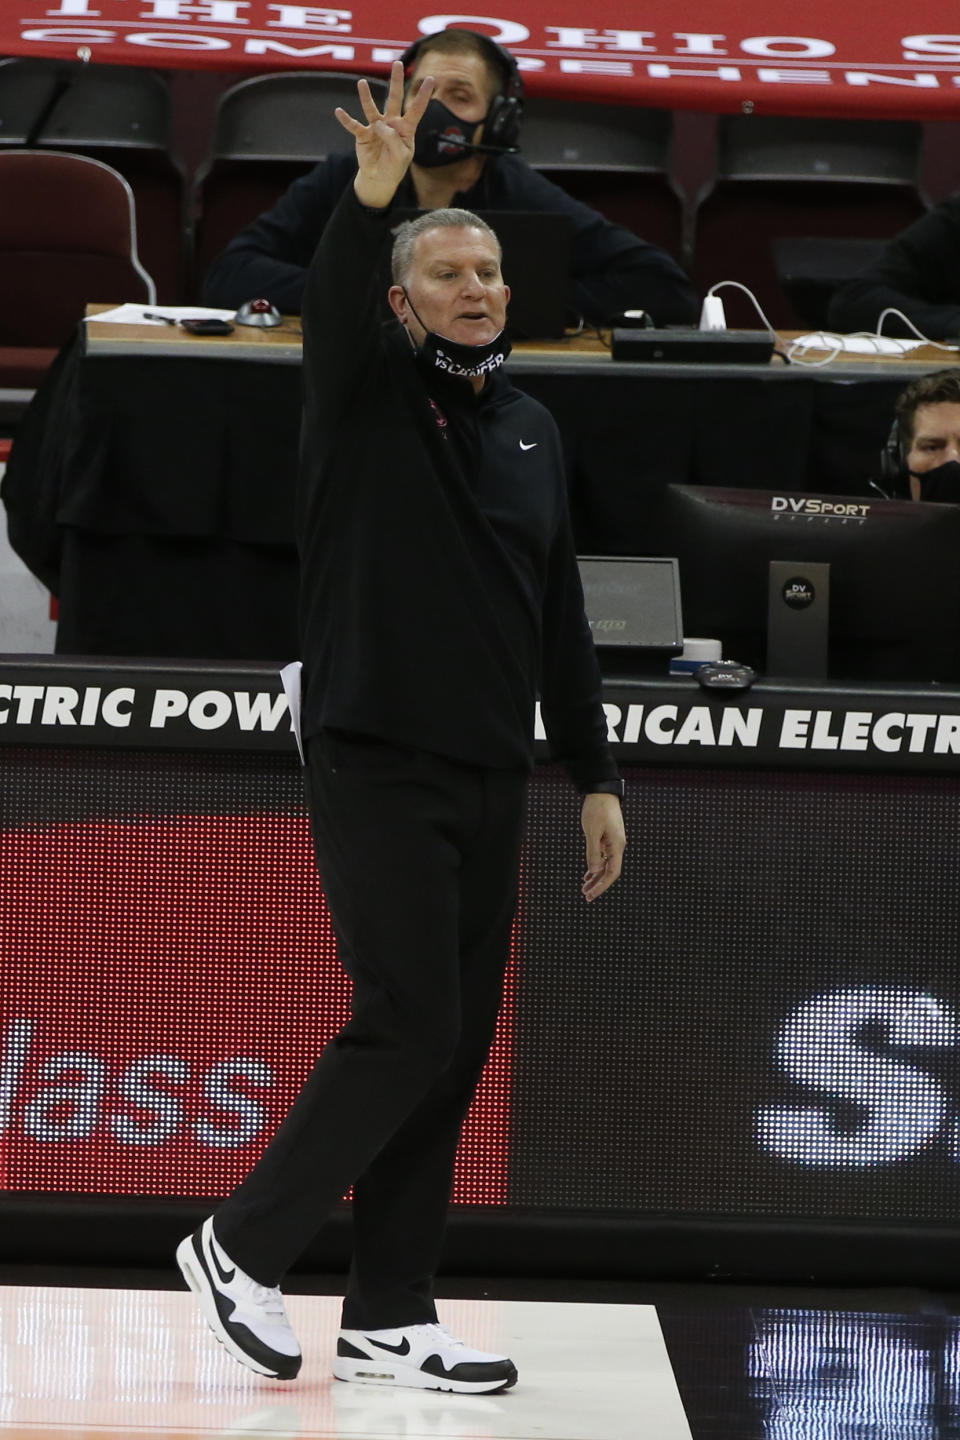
[[532, 446], [403, 1349], [226, 1278]]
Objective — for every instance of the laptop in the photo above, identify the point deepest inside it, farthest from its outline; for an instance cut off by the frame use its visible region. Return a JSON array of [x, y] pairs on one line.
[[537, 248]]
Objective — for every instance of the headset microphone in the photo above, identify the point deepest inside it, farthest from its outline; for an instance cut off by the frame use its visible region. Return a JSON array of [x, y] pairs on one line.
[[482, 149]]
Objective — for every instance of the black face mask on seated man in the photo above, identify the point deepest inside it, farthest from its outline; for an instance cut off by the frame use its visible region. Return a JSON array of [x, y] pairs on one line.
[[941, 484], [442, 137], [464, 362]]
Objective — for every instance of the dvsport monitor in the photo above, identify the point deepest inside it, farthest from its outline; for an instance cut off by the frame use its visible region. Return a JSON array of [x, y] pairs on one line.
[[894, 574]]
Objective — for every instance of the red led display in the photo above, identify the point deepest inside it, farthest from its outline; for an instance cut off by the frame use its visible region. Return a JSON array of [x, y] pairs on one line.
[[167, 983]]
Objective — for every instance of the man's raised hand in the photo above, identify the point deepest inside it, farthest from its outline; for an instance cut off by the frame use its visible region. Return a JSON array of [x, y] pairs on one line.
[[385, 143]]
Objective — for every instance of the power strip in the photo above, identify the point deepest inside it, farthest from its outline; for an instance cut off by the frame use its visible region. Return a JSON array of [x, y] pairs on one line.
[[694, 347]]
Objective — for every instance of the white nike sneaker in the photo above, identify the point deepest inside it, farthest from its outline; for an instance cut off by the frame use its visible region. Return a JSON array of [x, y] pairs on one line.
[[248, 1319], [426, 1357]]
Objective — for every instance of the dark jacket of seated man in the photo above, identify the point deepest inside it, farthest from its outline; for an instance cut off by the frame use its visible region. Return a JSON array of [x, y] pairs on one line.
[[918, 272], [612, 270]]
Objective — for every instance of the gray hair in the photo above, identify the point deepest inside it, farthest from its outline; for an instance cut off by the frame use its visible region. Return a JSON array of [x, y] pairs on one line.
[[407, 235]]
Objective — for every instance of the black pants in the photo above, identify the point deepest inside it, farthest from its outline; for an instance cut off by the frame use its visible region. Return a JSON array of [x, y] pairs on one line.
[[419, 859]]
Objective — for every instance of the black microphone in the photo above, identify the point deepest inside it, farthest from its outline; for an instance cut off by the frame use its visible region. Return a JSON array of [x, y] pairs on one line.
[[481, 149]]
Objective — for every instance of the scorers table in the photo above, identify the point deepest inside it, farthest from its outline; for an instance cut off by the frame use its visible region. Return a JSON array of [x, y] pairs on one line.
[[154, 476]]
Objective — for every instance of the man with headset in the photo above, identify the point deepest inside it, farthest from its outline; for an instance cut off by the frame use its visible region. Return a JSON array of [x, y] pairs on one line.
[[921, 459], [439, 593], [466, 156]]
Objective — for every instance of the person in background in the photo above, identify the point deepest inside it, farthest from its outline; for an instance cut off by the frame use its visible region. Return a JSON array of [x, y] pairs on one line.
[[921, 459], [478, 101], [918, 272]]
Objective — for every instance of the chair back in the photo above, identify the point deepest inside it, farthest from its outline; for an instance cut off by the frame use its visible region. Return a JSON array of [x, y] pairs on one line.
[[116, 114], [65, 104], [286, 117], [855, 152], [67, 237], [615, 158], [268, 132], [568, 135]]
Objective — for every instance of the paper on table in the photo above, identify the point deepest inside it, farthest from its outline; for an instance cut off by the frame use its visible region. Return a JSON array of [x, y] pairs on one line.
[[290, 675], [134, 314], [857, 344]]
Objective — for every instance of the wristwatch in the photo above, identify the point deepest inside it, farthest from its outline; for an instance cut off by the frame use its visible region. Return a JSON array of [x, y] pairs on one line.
[[605, 787]]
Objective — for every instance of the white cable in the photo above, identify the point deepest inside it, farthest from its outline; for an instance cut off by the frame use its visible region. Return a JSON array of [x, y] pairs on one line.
[[796, 351], [834, 340], [891, 310], [749, 293]]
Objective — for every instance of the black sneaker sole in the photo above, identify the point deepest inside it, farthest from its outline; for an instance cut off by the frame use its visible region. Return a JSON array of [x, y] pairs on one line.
[[384, 1371]]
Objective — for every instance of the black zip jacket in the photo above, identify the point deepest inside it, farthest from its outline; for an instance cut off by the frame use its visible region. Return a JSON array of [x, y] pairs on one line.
[[918, 273], [439, 585], [612, 270]]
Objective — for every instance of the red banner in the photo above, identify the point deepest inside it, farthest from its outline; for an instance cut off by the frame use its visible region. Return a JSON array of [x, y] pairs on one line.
[[844, 61]]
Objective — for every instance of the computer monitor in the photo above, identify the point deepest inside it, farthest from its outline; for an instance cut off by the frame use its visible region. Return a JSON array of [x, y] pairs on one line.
[[894, 574], [632, 603]]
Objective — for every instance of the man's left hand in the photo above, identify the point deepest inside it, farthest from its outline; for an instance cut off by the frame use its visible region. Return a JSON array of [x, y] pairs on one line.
[[602, 821]]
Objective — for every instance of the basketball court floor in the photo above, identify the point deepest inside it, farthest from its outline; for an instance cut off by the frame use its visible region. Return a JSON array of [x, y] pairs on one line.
[[115, 1362], [101, 1355]]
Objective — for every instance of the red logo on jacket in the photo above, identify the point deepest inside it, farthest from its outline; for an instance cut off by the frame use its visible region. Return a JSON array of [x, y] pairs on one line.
[[440, 418]]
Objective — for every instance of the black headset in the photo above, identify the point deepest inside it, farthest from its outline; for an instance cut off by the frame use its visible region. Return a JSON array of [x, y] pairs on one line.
[[893, 463], [501, 129]]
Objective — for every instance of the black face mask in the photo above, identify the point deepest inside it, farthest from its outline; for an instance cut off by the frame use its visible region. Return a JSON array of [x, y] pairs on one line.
[[442, 137], [463, 362], [941, 484]]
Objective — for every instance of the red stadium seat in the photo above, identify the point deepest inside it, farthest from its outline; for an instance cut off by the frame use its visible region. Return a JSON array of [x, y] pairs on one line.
[[116, 114], [66, 238]]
